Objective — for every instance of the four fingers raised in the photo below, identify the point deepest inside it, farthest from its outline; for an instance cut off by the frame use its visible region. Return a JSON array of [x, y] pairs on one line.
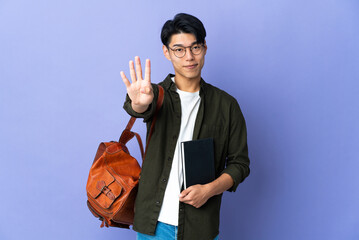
[[132, 71], [148, 70], [138, 67], [125, 80], [136, 73]]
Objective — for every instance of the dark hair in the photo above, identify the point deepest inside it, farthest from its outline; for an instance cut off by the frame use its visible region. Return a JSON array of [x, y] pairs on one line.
[[183, 23]]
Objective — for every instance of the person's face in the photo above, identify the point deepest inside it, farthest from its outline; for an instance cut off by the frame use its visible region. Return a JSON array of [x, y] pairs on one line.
[[189, 66]]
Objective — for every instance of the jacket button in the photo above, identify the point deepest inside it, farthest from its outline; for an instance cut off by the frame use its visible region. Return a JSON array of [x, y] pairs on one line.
[[157, 202], [164, 180], [169, 158]]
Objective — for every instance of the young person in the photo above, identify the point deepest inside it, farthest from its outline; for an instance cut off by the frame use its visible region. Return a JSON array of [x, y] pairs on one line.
[[192, 109]]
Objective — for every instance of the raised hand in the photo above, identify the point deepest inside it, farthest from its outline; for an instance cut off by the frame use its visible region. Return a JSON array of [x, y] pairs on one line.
[[140, 90]]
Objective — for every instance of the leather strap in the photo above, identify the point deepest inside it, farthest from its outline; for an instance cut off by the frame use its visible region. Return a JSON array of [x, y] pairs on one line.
[[130, 123], [158, 106], [127, 134]]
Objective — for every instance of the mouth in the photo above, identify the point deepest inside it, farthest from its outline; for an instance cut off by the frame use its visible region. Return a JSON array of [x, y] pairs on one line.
[[191, 66]]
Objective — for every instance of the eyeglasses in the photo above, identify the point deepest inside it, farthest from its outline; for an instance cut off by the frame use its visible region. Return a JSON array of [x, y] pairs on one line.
[[181, 51]]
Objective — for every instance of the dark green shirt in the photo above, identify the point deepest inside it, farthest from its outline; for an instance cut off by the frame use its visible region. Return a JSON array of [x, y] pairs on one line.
[[219, 117]]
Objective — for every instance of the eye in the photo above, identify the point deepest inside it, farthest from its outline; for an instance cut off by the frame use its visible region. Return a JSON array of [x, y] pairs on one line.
[[179, 50], [196, 47]]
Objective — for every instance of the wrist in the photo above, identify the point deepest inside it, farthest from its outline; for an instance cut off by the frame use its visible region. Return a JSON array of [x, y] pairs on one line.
[[210, 189], [139, 108]]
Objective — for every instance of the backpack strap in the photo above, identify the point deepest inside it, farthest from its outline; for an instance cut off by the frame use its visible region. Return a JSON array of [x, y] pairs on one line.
[[158, 107], [127, 134]]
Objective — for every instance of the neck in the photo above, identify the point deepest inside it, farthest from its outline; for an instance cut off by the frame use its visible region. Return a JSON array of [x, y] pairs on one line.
[[186, 84]]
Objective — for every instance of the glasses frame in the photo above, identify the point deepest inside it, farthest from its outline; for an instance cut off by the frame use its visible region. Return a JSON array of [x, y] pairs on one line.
[[185, 50]]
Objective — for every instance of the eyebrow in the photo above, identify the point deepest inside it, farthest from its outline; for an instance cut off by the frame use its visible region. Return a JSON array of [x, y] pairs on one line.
[[181, 45]]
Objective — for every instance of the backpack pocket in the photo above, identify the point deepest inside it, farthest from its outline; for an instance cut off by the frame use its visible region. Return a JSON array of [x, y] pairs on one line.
[[105, 189]]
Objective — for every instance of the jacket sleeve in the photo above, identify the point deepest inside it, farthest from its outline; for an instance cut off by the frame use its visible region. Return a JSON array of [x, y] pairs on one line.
[[237, 164], [148, 114]]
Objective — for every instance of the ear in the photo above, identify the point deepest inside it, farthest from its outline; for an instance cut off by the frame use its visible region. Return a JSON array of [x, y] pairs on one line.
[[166, 52], [205, 47]]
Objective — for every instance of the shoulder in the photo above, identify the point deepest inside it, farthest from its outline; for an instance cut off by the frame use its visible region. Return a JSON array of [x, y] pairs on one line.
[[222, 101], [167, 82], [219, 94]]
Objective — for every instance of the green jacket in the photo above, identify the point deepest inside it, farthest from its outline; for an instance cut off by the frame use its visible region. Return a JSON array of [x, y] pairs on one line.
[[219, 117]]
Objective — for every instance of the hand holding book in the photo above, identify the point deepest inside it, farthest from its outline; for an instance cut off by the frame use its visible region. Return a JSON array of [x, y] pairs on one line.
[[199, 175], [197, 195]]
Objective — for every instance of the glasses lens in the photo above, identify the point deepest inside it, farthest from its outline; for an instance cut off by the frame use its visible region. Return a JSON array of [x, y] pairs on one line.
[[179, 52], [196, 49]]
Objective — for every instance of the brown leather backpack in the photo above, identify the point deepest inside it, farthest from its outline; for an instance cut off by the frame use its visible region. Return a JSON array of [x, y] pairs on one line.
[[113, 179]]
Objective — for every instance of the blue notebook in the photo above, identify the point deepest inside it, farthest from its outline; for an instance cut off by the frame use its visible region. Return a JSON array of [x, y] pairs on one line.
[[197, 162]]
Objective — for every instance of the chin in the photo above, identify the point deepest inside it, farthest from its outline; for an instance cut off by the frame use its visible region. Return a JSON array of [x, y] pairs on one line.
[[192, 75]]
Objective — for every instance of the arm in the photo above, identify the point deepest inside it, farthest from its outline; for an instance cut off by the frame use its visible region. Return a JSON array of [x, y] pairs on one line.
[[237, 165], [237, 162]]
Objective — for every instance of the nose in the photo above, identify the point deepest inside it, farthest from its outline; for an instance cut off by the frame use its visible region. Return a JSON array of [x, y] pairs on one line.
[[189, 54]]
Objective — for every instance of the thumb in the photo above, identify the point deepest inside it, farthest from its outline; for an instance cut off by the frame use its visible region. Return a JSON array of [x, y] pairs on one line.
[[145, 90]]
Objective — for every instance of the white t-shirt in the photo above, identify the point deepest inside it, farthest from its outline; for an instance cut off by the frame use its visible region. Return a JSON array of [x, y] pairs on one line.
[[189, 107]]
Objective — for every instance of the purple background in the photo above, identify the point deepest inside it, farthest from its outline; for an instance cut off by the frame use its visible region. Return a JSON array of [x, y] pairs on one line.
[[292, 65]]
